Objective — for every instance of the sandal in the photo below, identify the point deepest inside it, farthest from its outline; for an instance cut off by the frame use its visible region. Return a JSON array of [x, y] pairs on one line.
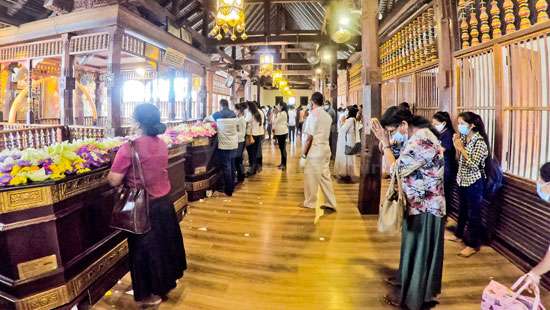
[[388, 300]]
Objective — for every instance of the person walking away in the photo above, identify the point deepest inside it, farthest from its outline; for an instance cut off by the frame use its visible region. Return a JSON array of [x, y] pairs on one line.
[[543, 267], [345, 166], [241, 134], [316, 158], [255, 129], [268, 121], [472, 146], [280, 130], [442, 122], [333, 129], [301, 119], [226, 123], [259, 155], [420, 169], [156, 258], [292, 124]]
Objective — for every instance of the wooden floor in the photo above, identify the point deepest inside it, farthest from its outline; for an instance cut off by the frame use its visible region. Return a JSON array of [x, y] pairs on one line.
[[259, 250]]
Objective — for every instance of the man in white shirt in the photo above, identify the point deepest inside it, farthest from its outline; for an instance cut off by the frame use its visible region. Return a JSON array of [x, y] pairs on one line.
[[316, 158], [292, 124], [228, 142]]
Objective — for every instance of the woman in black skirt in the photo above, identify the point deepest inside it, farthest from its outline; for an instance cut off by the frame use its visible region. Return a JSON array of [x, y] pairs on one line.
[[157, 258]]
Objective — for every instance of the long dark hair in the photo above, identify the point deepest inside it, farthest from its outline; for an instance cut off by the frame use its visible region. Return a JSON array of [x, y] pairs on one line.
[[284, 108], [352, 111], [253, 108], [394, 116], [545, 172], [479, 127], [443, 116], [148, 117]]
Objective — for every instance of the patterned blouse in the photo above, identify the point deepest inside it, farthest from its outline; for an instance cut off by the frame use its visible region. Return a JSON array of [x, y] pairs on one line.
[[471, 170], [421, 167]]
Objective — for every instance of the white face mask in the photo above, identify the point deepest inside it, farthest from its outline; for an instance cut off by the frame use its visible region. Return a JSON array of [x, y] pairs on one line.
[[440, 127]]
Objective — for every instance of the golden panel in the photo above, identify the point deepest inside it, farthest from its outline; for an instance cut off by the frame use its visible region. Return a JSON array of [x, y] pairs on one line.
[[180, 203], [200, 170], [27, 198], [201, 142], [200, 185], [64, 294], [37, 267], [79, 185], [175, 151]]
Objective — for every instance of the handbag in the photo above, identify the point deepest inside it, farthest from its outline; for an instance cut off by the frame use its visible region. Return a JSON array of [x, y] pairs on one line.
[[499, 297], [249, 140], [392, 208], [356, 148], [131, 209]]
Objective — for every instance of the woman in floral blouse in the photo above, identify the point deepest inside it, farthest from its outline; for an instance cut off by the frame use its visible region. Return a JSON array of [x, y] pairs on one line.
[[420, 168]]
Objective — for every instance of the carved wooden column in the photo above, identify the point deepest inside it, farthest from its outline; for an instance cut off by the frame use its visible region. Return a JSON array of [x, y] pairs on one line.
[[78, 108], [444, 45], [334, 80], [66, 83], [209, 90], [114, 82], [98, 100], [171, 95], [204, 93], [189, 102], [371, 160], [10, 92]]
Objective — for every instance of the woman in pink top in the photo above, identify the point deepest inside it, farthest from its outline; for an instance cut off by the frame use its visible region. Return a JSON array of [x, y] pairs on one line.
[[157, 258]]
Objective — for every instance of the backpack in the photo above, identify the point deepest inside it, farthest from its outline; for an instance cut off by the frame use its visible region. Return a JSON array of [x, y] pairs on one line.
[[493, 178]]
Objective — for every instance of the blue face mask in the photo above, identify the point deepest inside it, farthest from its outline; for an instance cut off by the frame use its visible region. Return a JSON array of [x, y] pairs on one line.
[[544, 196], [399, 137], [463, 129]]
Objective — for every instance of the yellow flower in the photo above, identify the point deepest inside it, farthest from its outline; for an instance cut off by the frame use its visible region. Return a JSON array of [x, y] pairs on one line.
[[18, 180], [15, 170], [84, 170]]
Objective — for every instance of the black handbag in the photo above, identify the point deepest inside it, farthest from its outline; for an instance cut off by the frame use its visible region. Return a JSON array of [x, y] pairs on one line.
[[131, 210], [356, 148]]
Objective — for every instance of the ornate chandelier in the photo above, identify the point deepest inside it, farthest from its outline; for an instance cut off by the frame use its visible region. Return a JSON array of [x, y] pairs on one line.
[[230, 20], [266, 65]]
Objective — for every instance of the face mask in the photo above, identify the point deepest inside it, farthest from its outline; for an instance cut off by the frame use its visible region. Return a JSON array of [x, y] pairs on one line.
[[463, 129], [399, 137], [544, 196], [440, 127]]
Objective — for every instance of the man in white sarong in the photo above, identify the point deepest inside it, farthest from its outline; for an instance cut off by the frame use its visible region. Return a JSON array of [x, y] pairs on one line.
[[316, 158]]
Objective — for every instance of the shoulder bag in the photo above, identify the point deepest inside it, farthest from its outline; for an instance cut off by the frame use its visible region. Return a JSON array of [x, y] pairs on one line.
[[356, 148], [392, 208], [131, 210]]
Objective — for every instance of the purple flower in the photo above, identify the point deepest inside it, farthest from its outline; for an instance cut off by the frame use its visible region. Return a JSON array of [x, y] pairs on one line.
[[5, 179], [23, 163], [6, 167]]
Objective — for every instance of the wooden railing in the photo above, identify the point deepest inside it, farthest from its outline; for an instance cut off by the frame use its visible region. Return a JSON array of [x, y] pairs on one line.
[[34, 137], [86, 132]]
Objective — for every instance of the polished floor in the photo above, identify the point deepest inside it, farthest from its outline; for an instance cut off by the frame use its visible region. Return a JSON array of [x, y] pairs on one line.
[[259, 250]]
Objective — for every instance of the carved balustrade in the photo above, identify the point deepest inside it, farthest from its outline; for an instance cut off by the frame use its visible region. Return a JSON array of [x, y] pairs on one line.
[[34, 137], [412, 47], [481, 21]]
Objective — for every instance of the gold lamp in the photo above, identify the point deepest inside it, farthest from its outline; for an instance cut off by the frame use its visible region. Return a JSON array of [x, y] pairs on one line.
[[230, 20], [266, 65]]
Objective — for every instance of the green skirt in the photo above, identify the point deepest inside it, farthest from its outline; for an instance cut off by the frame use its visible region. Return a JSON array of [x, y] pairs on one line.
[[421, 265]]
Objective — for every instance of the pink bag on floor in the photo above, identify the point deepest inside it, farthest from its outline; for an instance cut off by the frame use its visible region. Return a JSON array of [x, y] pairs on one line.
[[499, 297]]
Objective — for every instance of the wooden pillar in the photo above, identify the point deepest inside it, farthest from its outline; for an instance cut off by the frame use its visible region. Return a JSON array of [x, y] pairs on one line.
[[371, 163], [29, 119], [114, 82], [66, 83], [259, 92], [171, 95], [204, 93], [9, 96], [78, 108], [209, 90], [98, 100], [443, 24], [189, 102], [334, 81]]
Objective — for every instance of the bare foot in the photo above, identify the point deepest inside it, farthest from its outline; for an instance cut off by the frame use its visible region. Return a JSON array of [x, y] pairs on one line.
[[467, 252]]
